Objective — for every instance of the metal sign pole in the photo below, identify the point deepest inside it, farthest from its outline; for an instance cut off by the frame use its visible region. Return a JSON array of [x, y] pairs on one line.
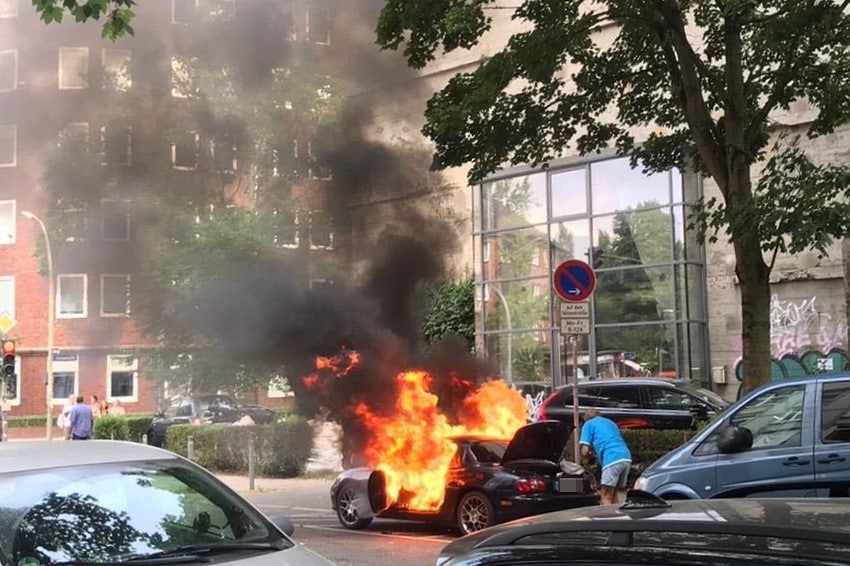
[[576, 432]]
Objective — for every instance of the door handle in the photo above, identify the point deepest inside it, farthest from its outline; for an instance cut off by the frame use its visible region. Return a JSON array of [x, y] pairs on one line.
[[831, 458], [795, 461]]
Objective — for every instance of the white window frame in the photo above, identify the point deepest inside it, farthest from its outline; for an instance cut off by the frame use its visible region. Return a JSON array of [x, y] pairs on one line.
[[313, 246], [104, 130], [13, 13], [129, 54], [70, 126], [10, 278], [103, 278], [59, 313], [197, 154], [13, 236], [307, 17], [14, 53], [296, 221], [129, 222], [67, 366], [14, 129], [174, 11], [16, 400], [132, 367], [63, 50]]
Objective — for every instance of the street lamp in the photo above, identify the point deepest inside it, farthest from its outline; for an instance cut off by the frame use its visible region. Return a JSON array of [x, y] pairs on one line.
[[510, 372], [51, 314]]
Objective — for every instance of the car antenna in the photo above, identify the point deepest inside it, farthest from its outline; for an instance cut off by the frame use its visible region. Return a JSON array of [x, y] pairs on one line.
[[638, 499]]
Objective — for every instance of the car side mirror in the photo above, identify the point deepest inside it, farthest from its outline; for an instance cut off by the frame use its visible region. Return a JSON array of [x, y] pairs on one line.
[[284, 524], [698, 410], [734, 439]]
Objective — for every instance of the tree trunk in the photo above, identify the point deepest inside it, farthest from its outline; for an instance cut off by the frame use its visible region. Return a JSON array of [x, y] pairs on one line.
[[845, 260]]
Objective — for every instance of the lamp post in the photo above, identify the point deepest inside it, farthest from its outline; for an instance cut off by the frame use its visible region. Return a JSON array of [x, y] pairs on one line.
[[51, 315], [510, 372]]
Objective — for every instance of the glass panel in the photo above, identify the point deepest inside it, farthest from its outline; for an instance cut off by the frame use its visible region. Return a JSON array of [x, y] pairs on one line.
[[530, 353], [116, 295], [676, 185], [634, 238], [517, 305], [632, 295], [569, 192], [643, 350], [520, 253], [122, 384], [775, 418], [691, 187], [510, 203], [687, 245], [689, 292], [570, 240], [570, 359], [615, 186], [479, 255], [63, 385], [692, 354], [476, 208], [835, 413]]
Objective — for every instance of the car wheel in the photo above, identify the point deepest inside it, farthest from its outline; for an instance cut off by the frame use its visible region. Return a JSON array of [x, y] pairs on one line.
[[346, 509], [475, 512]]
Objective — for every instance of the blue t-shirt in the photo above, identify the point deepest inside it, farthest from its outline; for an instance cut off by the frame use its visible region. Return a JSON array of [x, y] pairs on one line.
[[81, 419], [603, 436]]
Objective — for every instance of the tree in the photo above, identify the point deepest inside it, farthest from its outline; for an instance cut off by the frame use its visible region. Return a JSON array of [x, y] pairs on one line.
[[706, 76], [450, 311], [117, 14]]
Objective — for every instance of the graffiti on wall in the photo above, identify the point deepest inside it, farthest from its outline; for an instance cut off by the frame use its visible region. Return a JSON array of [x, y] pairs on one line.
[[803, 340]]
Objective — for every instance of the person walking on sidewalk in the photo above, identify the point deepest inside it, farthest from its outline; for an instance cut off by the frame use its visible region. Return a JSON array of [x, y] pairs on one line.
[[603, 437], [81, 420]]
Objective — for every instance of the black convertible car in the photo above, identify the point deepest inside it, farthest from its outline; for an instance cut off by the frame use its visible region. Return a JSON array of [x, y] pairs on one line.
[[489, 481]]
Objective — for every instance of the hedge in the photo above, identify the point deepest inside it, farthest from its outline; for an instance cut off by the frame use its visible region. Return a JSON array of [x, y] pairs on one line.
[[281, 449], [138, 423], [111, 427]]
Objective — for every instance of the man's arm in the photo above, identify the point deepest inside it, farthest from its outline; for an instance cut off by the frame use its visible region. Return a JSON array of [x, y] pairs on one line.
[[585, 450]]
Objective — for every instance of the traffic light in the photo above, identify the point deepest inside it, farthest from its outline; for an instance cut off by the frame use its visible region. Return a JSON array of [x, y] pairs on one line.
[[8, 357]]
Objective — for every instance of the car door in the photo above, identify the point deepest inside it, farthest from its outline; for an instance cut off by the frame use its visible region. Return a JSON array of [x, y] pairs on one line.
[[780, 462], [668, 408], [623, 404], [832, 446]]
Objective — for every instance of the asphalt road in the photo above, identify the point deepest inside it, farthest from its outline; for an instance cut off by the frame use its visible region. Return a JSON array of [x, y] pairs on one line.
[[384, 543]]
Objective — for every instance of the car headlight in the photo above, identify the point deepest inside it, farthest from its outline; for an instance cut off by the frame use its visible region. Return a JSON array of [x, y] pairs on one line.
[[640, 483]]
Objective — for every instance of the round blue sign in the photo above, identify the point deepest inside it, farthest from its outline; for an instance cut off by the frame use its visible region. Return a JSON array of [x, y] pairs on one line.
[[574, 281]]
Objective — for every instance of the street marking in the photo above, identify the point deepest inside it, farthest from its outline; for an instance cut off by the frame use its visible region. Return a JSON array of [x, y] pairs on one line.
[[429, 538]]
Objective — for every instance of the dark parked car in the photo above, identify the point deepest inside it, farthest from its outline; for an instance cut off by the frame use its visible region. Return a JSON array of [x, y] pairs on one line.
[[649, 530], [637, 403], [205, 409], [489, 481]]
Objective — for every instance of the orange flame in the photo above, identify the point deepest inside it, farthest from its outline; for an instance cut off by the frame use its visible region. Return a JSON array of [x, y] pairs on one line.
[[330, 368]]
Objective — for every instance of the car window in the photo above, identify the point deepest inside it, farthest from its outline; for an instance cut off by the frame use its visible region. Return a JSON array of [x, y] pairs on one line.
[[835, 412], [669, 399], [115, 512], [623, 397], [488, 452], [184, 409], [775, 417]]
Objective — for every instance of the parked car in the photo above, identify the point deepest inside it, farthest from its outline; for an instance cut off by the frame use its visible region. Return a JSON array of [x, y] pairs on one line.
[[205, 409], [649, 530], [637, 403], [489, 481], [113, 502], [790, 438]]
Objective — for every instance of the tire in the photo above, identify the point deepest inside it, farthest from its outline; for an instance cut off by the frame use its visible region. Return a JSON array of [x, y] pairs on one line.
[[346, 509], [474, 512]]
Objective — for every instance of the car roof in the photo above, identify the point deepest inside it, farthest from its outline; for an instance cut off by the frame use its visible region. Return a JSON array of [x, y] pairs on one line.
[[32, 455], [619, 381]]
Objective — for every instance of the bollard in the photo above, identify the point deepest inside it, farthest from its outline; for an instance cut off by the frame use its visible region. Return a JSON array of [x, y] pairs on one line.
[[144, 438], [190, 448], [251, 470]]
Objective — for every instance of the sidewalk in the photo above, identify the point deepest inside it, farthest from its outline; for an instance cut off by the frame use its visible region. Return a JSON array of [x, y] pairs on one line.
[[261, 485]]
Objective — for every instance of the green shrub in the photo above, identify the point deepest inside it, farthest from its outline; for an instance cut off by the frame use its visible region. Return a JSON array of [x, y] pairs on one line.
[[280, 449], [138, 425], [24, 422], [111, 427]]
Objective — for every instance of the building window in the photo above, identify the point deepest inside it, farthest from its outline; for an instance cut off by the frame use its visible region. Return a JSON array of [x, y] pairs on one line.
[[116, 68], [65, 383], [321, 283], [181, 76], [224, 153], [289, 31], [8, 145], [116, 220], [74, 225], [279, 388], [318, 25], [8, 70], [321, 231], [183, 11], [8, 8], [185, 152], [317, 169], [11, 395], [7, 295], [8, 221], [114, 295], [73, 67], [72, 298], [74, 136], [285, 228], [116, 149], [122, 375]]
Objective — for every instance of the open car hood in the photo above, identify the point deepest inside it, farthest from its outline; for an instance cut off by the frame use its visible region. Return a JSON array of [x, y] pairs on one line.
[[543, 440]]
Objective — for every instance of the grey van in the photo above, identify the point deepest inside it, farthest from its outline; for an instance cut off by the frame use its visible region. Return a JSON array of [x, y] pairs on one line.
[[785, 439]]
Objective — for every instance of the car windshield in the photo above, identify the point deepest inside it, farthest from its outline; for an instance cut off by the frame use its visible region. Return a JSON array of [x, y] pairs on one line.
[[707, 395], [118, 511], [489, 451]]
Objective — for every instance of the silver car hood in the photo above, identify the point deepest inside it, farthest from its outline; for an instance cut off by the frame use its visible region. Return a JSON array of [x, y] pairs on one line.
[[295, 556]]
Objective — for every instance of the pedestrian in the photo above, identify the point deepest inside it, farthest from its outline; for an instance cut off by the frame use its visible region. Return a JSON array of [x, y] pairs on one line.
[[62, 419], [81, 420], [603, 437], [117, 408], [95, 405]]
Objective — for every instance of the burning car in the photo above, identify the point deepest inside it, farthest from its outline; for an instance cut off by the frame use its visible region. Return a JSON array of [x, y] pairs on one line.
[[488, 481]]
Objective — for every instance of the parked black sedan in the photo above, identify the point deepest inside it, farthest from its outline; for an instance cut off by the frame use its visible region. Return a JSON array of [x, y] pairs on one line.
[[489, 481], [637, 403], [649, 530]]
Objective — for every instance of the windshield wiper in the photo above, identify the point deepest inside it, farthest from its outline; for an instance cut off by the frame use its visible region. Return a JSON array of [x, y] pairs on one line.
[[182, 554]]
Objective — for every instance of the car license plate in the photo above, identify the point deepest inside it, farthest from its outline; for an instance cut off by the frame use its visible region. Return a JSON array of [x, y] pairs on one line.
[[570, 485]]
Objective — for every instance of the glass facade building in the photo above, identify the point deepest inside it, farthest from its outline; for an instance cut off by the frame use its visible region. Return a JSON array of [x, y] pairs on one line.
[[648, 313]]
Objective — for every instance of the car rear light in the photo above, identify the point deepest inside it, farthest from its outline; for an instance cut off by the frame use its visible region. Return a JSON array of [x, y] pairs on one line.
[[530, 486], [541, 412]]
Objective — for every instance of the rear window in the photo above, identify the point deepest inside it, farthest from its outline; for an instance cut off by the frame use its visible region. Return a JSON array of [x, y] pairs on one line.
[[488, 452], [835, 413]]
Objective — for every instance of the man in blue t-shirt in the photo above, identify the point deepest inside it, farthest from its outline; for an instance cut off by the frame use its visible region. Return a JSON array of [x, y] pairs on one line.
[[603, 437], [81, 420]]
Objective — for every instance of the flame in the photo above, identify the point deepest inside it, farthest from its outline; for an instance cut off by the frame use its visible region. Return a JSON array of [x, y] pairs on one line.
[[413, 444]]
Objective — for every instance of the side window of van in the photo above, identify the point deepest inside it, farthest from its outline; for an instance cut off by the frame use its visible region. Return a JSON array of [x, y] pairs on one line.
[[775, 418], [835, 413]]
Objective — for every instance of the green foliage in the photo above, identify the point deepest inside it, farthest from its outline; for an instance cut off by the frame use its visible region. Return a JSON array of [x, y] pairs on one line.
[[117, 14], [137, 426], [111, 427], [26, 422], [451, 311], [281, 449]]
